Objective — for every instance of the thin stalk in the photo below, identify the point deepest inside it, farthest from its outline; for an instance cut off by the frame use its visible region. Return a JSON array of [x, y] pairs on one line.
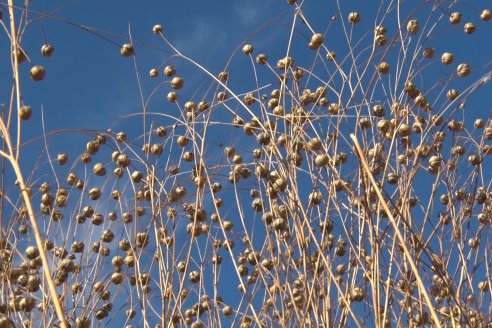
[[420, 283], [14, 161]]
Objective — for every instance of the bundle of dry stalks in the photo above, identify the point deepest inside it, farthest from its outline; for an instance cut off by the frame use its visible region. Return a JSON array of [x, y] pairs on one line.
[[352, 187]]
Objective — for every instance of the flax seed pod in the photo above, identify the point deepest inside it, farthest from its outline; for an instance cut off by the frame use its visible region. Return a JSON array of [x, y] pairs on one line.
[[485, 15], [37, 73], [47, 50], [127, 50], [248, 49], [413, 26], [157, 29], [354, 18]]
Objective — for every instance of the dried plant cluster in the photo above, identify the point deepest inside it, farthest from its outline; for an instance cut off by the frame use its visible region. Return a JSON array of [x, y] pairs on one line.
[[351, 187]]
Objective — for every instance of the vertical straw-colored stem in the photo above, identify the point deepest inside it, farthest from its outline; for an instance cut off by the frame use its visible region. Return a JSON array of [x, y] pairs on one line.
[[398, 234], [15, 52], [14, 160]]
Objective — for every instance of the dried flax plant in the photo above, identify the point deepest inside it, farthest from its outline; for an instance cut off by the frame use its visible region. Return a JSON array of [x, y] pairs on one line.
[[351, 186]]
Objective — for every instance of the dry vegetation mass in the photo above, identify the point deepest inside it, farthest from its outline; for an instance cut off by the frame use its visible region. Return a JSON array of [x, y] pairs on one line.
[[351, 186]]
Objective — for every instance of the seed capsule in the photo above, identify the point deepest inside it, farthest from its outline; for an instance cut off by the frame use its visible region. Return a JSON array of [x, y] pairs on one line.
[[177, 82], [169, 71], [455, 18], [261, 59], [447, 58], [383, 67], [99, 169], [463, 70], [153, 72], [248, 49], [127, 50], [469, 28], [37, 73], [428, 53], [47, 50], [485, 15], [413, 26], [157, 29], [354, 17], [25, 112], [62, 158]]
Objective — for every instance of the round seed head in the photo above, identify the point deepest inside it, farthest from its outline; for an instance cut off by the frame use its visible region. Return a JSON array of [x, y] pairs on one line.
[[285, 63], [413, 26], [383, 67], [85, 158], [188, 156], [463, 70], [97, 219], [261, 59], [25, 112], [380, 39], [118, 172], [173, 170], [161, 131], [182, 141], [172, 97], [222, 95], [62, 158], [479, 124], [404, 130], [153, 72], [393, 178], [157, 29], [321, 160], [94, 193], [485, 15], [316, 41], [315, 144], [248, 49], [99, 169], [92, 147], [380, 29], [79, 184], [227, 311], [47, 50], [469, 28], [428, 52], [137, 176], [455, 18], [354, 17], [156, 149], [484, 286], [177, 82], [452, 94], [378, 110], [447, 58], [20, 54], [72, 179], [194, 276], [279, 110], [169, 71], [32, 252], [435, 161], [474, 242], [223, 76], [315, 198], [127, 50], [121, 136], [37, 73], [330, 56]]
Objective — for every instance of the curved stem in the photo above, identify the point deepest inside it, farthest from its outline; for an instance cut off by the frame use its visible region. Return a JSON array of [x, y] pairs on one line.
[[14, 161]]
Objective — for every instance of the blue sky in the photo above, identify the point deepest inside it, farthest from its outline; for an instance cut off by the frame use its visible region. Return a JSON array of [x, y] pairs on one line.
[[90, 86]]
